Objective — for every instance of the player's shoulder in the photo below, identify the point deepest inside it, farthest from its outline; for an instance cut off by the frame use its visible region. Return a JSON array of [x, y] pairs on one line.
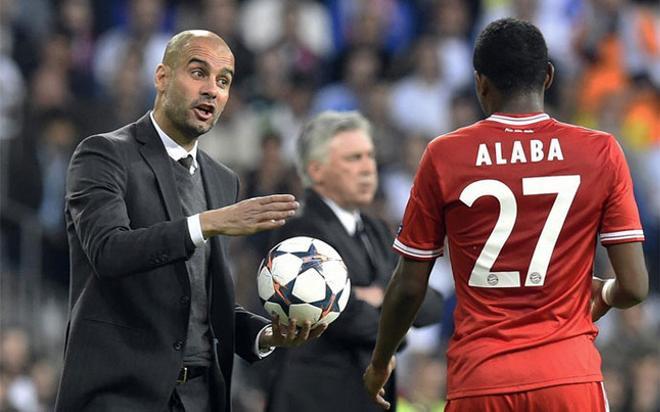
[[585, 132], [454, 136]]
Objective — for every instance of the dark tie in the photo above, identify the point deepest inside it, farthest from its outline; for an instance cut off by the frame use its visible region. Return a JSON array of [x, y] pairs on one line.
[[361, 235], [186, 162]]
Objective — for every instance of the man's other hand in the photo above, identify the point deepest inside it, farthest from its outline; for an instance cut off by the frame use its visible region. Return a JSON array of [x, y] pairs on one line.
[[289, 336], [373, 295]]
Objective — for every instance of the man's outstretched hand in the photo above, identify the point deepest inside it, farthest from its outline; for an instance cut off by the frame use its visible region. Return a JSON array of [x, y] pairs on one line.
[[248, 216]]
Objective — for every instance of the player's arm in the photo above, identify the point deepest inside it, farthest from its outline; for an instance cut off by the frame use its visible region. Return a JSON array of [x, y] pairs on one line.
[[403, 298], [631, 285]]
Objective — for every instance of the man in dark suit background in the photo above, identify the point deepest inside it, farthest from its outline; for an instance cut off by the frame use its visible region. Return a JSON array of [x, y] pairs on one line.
[[335, 156], [153, 325]]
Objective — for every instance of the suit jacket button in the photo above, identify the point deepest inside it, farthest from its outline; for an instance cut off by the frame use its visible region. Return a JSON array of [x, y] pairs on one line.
[[178, 345], [184, 300]]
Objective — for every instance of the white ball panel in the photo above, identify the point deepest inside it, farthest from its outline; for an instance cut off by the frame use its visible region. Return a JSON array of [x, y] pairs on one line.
[[304, 312], [265, 284], [309, 286], [343, 299], [295, 244], [285, 268], [329, 318], [325, 249], [277, 309], [335, 274]]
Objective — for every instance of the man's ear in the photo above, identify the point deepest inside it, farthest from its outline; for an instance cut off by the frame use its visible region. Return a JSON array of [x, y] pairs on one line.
[[315, 171], [549, 76], [161, 77]]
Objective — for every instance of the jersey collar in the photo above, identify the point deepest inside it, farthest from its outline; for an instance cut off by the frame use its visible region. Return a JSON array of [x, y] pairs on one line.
[[518, 120]]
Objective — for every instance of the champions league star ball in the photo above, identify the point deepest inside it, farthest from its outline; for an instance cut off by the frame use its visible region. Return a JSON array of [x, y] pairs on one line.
[[305, 279]]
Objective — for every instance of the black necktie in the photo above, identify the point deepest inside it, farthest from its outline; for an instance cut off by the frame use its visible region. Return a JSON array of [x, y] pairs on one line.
[[361, 235], [186, 162]]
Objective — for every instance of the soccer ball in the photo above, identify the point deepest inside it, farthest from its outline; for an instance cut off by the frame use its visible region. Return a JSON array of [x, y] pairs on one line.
[[305, 279]]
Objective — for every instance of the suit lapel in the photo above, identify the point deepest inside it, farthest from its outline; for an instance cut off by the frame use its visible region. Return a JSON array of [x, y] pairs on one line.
[[154, 153], [349, 249]]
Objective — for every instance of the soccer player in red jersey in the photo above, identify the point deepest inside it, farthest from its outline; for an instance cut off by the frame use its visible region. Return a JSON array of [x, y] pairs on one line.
[[521, 199]]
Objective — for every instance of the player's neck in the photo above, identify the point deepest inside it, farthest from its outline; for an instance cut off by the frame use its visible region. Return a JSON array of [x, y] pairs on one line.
[[519, 104]]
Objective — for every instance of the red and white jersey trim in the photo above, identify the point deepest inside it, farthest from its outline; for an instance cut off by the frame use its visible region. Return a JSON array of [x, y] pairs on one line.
[[417, 253], [518, 121], [623, 235]]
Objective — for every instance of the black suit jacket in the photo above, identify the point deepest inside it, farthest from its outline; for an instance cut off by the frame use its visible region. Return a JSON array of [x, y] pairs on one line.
[[326, 374], [129, 291]]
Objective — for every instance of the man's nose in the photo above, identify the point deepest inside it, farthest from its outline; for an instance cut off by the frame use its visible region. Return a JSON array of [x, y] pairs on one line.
[[210, 89], [368, 164]]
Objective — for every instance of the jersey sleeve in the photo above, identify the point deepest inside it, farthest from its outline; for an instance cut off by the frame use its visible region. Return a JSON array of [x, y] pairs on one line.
[[422, 232], [620, 222]]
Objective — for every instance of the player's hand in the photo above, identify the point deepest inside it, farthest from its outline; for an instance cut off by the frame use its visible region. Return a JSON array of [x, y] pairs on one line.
[[290, 336], [374, 380], [248, 216], [373, 295], [598, 307]]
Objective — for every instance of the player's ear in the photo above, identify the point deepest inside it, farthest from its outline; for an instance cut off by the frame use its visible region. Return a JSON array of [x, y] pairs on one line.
[[549, 76], [481, 84]]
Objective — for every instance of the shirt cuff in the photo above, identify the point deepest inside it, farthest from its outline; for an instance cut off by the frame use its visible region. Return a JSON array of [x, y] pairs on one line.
[[262, 353], [195, 230]]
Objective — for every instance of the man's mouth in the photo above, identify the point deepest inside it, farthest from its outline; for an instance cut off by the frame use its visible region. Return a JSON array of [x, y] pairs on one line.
[[204, 111]]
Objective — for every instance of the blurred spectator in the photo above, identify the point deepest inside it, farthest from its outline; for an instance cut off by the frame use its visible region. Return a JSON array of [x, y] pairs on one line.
[[263, 24], [16, 40], [76, 22], [451, 25], [360, 74], [600, 47], [38, 165], [222, 18], [12, 89], [397, 179], [387, 26], [289, 115], [387, 137], [50, 88], [421, 101], [14, 366], [143, 31], [269, 83]]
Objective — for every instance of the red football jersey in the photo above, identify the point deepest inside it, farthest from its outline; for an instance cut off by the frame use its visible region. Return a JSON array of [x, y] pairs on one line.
[[520, 200]]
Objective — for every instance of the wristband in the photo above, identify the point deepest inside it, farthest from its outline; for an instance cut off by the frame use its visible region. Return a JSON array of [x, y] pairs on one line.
[[606, 292]]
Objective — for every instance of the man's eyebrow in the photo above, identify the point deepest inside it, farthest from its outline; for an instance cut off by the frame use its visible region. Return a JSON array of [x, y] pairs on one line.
[[228, 71], [196, 60]]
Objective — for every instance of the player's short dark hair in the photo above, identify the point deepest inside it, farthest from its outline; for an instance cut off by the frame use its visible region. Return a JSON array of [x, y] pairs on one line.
[[512, 53]]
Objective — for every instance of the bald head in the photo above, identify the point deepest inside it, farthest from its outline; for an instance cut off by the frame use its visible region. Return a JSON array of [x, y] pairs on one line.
[[182, 41]]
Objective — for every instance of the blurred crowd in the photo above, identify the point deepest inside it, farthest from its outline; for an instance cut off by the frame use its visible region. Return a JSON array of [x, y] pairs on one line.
[[71, 68]]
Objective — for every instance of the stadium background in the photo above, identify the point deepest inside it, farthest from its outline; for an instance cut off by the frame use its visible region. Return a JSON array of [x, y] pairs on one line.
[[71, 68]]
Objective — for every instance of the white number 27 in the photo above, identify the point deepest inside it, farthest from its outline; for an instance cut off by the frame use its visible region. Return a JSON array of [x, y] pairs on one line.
[[564, 186]]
